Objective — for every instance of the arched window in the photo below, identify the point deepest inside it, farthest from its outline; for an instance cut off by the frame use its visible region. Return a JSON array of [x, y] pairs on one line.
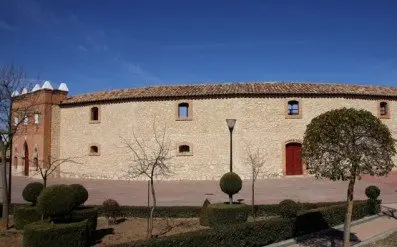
[[94, 114], [383, 109], [293, 107], [94, 150], [183, 110], [185, 149]]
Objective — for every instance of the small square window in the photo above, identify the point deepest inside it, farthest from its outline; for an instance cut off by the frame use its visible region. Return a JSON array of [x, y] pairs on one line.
[[184, 149], [94, 150], [293, 109], [384, 110]]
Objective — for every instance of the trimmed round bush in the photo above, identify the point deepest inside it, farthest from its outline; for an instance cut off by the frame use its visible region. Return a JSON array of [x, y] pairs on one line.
[[220, 214], [45, 234], [56, 200], [288, 208], [32, 191], [24, 215], [111, 209], [81, 193], [231, 183], [372, 192]]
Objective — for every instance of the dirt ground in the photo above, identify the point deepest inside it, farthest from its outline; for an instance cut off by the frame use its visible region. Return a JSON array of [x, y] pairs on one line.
[[127, 230], [10, 239], [132, 229]]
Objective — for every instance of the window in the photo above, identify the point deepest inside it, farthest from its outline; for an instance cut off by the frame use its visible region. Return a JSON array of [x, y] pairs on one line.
[[383, 109], [25, 120], [36, 118], [183, 110], [94, 150], [293, 108], [184, 149], [94, 114], [16, 121]]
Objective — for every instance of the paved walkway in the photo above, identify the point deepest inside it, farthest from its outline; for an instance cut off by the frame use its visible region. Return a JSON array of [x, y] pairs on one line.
[[359, 233], [170, 193]]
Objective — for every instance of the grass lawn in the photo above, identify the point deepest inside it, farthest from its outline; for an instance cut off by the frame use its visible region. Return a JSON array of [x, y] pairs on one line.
[[390, 241]]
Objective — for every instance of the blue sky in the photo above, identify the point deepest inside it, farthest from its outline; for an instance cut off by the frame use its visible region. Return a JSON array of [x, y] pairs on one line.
[[122, 44]]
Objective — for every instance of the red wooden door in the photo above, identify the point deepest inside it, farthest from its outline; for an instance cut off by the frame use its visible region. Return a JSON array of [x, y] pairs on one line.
[[293, 159]]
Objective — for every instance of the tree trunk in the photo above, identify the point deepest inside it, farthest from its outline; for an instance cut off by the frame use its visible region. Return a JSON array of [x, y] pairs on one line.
[[153, 207], [230, 199], [253, 199], [45, 182], [4, 189], [349, 211]]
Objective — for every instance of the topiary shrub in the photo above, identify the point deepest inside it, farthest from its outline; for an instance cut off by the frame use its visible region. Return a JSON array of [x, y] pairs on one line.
[[373, 203], [32, 191], [288, 208], [24, 215], [372, 192], [46, 234], [81, 193], [220, 214], [56, 200], [203, 213], [111, 209], [231, 184], [80, 214]]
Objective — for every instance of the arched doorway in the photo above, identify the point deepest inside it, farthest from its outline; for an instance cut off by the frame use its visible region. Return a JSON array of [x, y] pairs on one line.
[[293, 161], [26, 154]]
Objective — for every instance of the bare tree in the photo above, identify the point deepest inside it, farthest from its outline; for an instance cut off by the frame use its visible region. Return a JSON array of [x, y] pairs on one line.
[[12, 78], [256, 159], [47, 167], [150, 159]]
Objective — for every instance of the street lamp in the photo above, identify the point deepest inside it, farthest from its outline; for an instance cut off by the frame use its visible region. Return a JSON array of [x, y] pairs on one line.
[[230, 124]]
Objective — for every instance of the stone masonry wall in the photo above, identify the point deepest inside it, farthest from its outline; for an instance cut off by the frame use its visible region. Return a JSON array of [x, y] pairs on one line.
[[261, 122]]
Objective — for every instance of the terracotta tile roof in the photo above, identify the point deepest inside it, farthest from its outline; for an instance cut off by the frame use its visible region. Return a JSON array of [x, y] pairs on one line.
[[233, 89]]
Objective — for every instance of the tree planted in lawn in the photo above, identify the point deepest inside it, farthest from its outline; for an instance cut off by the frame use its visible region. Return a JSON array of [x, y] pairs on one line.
[[150, 158], [344, 144]]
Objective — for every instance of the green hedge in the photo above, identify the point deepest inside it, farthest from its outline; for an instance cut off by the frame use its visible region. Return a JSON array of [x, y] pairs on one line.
[[24, 215], [259, 233], [225, 214], [85, 213], [263, 232], [45, 234], [322, 218], [194, 211]]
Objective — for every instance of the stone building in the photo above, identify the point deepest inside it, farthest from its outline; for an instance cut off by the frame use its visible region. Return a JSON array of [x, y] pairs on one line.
[[93, 128]]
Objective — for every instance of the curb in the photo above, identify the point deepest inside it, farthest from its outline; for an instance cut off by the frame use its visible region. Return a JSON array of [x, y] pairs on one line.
[[376, 238], [291, 241]]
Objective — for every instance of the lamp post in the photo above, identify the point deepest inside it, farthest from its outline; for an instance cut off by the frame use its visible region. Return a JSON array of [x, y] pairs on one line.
[[230, 124]]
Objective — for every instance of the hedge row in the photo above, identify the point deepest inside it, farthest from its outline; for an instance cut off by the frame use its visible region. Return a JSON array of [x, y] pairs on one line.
[[45, 234], [261, 232], [194, 211], [24, 215]]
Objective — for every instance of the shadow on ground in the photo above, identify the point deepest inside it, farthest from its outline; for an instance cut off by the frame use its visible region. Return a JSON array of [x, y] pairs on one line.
[[100, 234], [329, 238], [324, 236]]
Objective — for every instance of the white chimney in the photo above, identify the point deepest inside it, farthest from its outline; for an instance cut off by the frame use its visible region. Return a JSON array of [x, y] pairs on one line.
[[36, 87], [15, 93], [47, 85], [63, 87]]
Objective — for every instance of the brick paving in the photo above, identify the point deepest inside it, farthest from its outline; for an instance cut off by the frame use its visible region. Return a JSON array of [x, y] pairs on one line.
[[172, 193]]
